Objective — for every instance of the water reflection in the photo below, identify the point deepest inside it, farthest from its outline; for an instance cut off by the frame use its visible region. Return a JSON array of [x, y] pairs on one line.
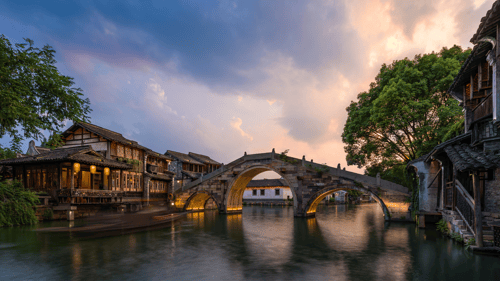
[[262, 243]]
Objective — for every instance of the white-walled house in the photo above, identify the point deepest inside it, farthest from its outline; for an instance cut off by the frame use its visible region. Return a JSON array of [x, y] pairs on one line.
[[267, 190]]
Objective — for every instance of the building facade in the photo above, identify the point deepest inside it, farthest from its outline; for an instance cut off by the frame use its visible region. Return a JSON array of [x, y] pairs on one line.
[[460, 178], [189, 167], [267, 190]]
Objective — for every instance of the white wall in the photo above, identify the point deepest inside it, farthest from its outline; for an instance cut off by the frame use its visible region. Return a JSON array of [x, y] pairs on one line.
[[269, 193]]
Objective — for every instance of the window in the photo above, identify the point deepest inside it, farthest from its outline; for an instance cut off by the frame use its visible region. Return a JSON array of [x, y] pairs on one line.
[[262, 192], [277, 192], [254, 192]]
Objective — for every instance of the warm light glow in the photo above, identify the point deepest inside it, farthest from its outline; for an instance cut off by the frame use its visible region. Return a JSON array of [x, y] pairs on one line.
[[76, 167], [92, 169], [106, 171]]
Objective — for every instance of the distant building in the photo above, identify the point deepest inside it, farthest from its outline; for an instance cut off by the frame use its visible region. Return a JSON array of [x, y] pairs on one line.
[[267, 190], [189, 167]]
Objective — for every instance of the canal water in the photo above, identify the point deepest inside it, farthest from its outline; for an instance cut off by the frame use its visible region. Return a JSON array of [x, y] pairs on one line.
[[263, 243]]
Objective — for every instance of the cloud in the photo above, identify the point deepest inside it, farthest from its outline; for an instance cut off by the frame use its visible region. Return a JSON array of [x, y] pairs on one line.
[[236, 124], [172, 75]]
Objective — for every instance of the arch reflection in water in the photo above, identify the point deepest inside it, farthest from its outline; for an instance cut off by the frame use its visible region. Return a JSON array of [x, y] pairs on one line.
[[268, 241]]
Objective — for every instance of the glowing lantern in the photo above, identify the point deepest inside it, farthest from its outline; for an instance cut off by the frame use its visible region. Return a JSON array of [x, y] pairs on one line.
[[76, 167], [92, 169], [106, 171]]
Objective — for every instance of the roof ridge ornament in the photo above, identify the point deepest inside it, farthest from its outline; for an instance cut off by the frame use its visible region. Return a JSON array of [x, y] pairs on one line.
[[488, 39]]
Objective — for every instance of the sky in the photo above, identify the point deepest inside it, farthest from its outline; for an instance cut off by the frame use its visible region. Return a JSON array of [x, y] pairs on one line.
[[223, 78]]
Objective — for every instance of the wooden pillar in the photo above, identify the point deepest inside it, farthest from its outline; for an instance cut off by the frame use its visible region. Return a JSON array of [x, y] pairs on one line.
[[24, 180], [454, 189], [60, 175], [72, 177], [477, 210]]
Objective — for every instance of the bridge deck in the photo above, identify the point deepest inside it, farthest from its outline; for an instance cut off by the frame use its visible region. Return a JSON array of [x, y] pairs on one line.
[[365, 180]]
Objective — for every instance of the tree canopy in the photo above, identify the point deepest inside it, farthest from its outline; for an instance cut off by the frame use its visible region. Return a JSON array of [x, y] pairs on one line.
[[34, 96], [405, 113]]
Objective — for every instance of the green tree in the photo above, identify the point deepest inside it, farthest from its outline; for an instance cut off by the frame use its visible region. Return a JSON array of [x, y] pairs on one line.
[[17, 204], [34, 96], [405, 113], [54, 141]]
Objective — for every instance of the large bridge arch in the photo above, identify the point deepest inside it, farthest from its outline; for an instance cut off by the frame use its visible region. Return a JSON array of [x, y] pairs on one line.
[[234, 197], [198, 200], [314, 201]]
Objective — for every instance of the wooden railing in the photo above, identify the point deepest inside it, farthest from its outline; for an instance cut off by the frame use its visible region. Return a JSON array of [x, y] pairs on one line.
[[448, 195], [89, 196], [483, 109], [465, 206]]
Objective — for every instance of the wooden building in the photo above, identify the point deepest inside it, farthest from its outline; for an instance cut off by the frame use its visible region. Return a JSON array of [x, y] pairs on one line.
[[74, 175], [95, 166], [148, 180], [189, 167], [460, 178]]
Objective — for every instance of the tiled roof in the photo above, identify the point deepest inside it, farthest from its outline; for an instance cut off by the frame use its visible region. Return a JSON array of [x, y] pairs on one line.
[[487, 27], [267, 183], [464, 157], [203, 158], [438, 148], [183, 157], [113, 136], [160, 176], [81, 154]]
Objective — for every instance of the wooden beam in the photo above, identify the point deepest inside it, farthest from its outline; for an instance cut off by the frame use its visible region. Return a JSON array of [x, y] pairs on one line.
[[477, 210], [471, 87], [72, 177], [479, 76]]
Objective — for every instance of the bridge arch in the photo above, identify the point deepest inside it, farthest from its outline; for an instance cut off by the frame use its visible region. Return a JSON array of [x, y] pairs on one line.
[[234, 197], [314, 201], [198, 200]]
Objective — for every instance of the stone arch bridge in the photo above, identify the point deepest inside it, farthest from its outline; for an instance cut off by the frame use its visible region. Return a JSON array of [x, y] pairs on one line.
[[309, 182]]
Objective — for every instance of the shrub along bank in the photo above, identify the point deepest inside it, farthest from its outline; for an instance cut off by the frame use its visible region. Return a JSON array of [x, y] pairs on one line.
[[17, 204]]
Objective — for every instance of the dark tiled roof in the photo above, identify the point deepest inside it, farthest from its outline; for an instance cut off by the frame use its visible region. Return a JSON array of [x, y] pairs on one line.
[[464, 157], [438, 148], [156, 154], [183, 157], [203, 158], [160, 176], [113, 136], [42, 149], [81, 154], [487, 27], [267, 183]]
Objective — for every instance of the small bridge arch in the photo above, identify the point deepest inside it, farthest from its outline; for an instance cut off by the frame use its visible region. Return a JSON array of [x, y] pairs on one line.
[[313, 203], [234, 198], [198, 200]]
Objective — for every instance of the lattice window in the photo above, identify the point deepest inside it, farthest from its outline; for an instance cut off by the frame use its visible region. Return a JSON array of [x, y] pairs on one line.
[[496, 236]]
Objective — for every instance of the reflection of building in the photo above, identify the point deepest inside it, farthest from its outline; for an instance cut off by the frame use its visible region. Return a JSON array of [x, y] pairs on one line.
[[460, 177], [188, 167], [267, 190]]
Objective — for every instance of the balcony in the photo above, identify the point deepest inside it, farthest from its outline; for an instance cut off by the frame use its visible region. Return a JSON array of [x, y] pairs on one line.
[[89, 196], [153, 169], [483, 109]]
